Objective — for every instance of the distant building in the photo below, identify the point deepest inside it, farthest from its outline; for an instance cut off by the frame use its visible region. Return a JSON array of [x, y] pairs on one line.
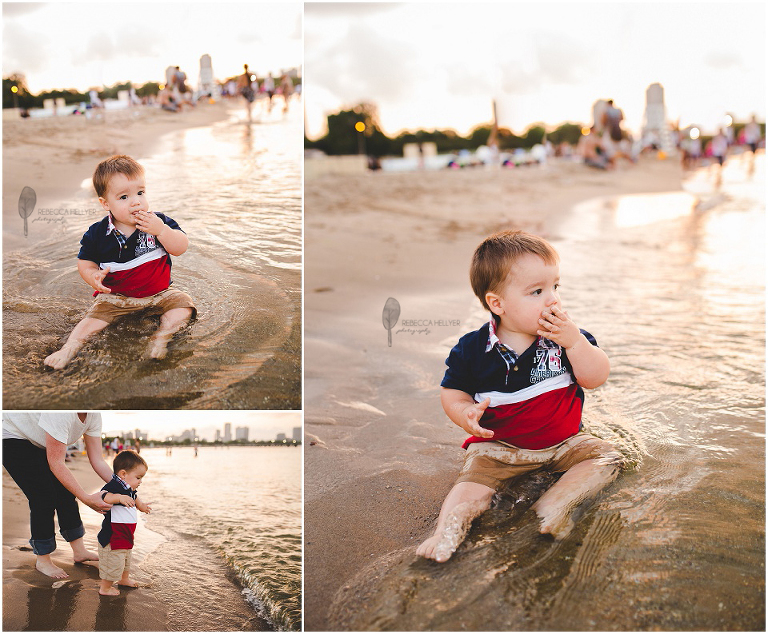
[[655, 128], [281, 437], [206, 75], [241, 433], [218, 436], [227, 432], [297, 434]]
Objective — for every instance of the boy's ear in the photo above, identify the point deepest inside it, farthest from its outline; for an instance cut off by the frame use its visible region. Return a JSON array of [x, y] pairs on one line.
[[104, 203], [494, 303]]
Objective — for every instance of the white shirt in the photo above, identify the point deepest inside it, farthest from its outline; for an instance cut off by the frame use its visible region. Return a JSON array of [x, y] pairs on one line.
[[64, 427]]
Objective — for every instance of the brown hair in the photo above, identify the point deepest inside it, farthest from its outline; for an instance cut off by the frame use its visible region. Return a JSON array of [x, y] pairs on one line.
[[128, 460], [494, 258], [118, 164]]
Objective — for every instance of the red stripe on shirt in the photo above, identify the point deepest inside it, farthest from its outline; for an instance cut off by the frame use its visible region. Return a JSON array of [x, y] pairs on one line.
[[540, 422], [142, 281]]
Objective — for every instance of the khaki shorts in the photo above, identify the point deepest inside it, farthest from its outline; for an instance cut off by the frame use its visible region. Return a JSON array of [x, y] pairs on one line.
[[113, 563], [109, 307], [492, 463]]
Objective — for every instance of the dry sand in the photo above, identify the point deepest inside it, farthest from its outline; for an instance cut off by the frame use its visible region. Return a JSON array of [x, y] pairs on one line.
[[380, 455], [54, 155], [32, 601]]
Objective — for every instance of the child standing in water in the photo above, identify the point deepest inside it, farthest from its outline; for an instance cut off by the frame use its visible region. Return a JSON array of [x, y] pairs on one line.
[[116, 534], [516, 385], [126, 259]]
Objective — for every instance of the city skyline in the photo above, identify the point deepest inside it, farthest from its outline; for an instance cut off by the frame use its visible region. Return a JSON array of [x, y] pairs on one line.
[[261, 425]]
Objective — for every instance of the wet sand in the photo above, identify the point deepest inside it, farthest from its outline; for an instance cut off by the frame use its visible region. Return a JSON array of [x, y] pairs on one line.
[[32, 601], [380, 455]]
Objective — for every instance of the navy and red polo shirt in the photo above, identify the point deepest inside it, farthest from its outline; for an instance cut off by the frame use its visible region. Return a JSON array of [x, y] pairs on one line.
[[138, 264], [535, 400], [119, 523]]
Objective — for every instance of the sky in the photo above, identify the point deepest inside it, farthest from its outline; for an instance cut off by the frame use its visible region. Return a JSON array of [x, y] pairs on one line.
[[82, 45], [440, 65], [263, 425]]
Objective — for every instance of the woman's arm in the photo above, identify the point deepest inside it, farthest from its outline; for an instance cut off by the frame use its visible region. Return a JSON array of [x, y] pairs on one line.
[[56, 452], [96, 458]]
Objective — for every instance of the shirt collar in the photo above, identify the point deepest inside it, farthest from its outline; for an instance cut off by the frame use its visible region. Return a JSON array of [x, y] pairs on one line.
[[110, 225], [493, 338], [122, 482]]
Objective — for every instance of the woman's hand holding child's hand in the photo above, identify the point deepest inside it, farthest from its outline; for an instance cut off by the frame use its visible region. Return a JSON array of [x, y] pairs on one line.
[[471, 418]]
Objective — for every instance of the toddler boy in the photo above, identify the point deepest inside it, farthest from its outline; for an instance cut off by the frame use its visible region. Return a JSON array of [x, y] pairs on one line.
[[126, 259], [116, 535], [521, 376]]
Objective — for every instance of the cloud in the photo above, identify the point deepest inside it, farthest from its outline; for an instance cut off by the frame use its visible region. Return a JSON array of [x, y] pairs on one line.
[[378, 69], [347, 9], [132, 41], [13, 9], [24, 51], [723, 60]]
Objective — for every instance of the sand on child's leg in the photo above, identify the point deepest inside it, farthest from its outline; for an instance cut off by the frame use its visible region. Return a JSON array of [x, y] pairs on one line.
[[85, 328], [463, 504], [581, 482], [170, 323]]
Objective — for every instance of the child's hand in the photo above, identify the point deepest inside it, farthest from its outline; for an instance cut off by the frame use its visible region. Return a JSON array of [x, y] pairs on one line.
[[127, 500], [97, 278], [471, 419], [143, 507], [149, 222], [557, 326]]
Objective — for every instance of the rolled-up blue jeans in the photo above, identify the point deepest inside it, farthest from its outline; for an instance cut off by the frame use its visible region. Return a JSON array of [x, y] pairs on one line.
[[27, 464]]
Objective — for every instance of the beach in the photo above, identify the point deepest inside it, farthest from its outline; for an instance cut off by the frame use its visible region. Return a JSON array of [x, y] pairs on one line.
[[35, 602], [380, 455], [208, 559], [233, 185]]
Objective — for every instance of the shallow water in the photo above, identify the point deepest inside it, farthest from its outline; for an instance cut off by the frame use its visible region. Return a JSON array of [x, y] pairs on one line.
[[236, 190], [232, 522], [672, 286]]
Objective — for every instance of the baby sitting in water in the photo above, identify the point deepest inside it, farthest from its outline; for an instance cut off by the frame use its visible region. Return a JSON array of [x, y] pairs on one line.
[[516, 386], [125, 258]]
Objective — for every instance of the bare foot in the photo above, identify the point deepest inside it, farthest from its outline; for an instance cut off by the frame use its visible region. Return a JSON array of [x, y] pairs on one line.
[[112, 592], [85, 555], [129, 583], [47, 567], [434, 548], [158, 346], [61, 358], [559, 525]]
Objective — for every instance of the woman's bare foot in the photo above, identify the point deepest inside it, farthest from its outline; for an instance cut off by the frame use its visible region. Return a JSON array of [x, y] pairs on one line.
[[81, 553], [47, 567]]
